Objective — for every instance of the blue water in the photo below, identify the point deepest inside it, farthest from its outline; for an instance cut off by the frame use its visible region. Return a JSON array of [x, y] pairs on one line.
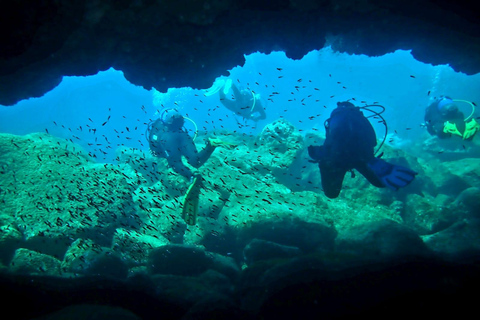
[[105, 111]]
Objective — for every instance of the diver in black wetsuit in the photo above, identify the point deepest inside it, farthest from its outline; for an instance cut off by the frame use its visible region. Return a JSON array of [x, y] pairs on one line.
[[168, 139], [245, 103], [443, 119], [349, 144]]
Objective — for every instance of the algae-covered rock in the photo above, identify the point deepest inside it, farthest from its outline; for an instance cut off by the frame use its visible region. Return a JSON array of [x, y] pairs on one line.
[[446, 177], [31, 262], [257, 250], [57, 193], [469, 200], [135, 247], [189, 290], [294, 232], [462, 238], [468, 170], [280, 143], [188, 261], [379, 240], [428, 214], [84, 257], [10, 240], [345, 213], [149, 167], [272, 152]]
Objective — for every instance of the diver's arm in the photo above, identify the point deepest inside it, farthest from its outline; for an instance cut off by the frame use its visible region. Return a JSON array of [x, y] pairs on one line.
[[229, 104], [194, 158], [434, 121], [205, 154]]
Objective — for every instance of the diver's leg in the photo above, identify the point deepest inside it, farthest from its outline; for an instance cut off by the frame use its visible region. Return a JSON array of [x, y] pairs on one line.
[[178, 166], [332, 179]]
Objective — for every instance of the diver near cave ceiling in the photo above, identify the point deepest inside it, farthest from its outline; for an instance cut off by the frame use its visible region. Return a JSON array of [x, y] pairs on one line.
[[349, 144], [443, 119], [244, 103], [167, 138]]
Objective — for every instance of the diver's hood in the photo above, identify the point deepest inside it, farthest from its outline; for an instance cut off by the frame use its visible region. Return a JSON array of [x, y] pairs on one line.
[[173, 119], [446, 106]]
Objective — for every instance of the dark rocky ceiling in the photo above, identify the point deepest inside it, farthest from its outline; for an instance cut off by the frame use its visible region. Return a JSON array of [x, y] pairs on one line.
[[176, 43]]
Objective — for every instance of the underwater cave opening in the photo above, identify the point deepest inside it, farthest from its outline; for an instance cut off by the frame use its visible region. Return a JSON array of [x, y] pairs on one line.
[[105, 111]]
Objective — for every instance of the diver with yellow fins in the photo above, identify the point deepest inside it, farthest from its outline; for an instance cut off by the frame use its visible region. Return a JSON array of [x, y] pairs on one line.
[[443, 119], [168, 138]]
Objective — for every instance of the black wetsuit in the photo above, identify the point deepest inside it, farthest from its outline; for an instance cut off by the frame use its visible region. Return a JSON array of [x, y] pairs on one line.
[[173, 144], [244, 104], [435, 120]]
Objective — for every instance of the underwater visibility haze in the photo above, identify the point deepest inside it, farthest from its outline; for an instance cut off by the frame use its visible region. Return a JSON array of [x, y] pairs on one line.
[[92, 189]]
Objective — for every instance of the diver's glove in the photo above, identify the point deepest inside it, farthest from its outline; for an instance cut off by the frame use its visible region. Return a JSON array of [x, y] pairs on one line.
[[392, 176], [196, 177], [220, 143], [471, 129], [451, 128]]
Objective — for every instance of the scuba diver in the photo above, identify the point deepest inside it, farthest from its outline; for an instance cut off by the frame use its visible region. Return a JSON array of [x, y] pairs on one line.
[[443, 119], [245, 103], [168, 139], [349, 144]]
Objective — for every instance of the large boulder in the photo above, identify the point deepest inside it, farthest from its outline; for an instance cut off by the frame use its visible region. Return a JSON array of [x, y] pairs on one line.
[[460, 239], [10, 240], [429, 214], [257, 250], [188, 261], [30, 262], [380, 240], [84, 257], [469, 201], [58, 193]]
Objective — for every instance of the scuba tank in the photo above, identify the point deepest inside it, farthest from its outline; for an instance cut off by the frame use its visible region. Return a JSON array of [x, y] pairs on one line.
[[157, 126]]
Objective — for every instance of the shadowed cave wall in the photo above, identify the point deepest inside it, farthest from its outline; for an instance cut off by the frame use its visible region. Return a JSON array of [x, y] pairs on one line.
[[179, 43]]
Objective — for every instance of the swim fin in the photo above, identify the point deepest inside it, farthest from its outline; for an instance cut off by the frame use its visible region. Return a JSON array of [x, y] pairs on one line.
[[228, 86], [220, 143], [217, 85], [392, 176], [190, 202]]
